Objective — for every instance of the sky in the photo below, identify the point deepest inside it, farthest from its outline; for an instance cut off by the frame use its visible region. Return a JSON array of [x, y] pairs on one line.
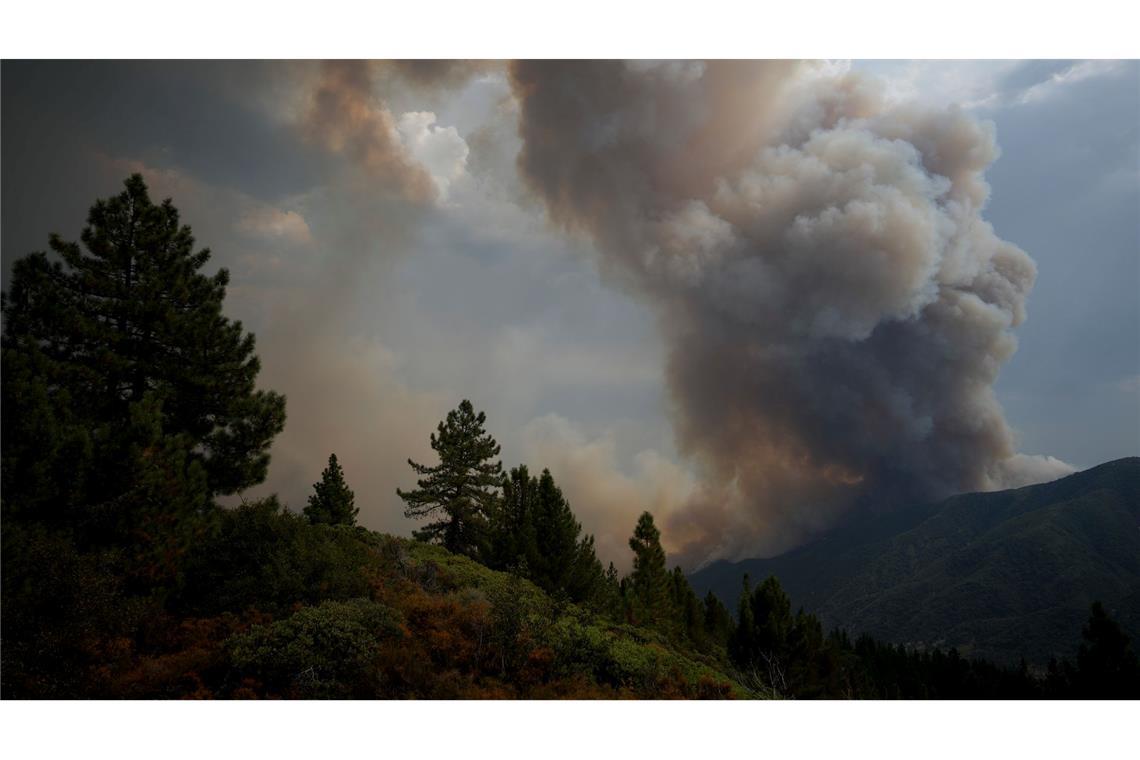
[[398, 240]]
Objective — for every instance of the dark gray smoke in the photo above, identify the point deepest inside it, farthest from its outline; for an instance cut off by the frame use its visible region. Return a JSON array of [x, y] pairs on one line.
[[835, 306]]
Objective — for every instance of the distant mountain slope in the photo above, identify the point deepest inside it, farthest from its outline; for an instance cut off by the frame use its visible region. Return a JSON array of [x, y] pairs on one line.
[[999, 575]]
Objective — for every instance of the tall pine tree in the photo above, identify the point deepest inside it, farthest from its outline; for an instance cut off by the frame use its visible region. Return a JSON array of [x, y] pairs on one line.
[[459, 494], [649, 584], [535, 533], [762, 643], [514, 545], [564, 562], [117, 355], [687, 609], [332, 502]]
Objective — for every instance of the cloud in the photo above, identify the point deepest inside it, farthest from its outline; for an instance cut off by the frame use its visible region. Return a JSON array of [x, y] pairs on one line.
[[834, 305], [984, 85], [546, 360], [276, 224], [346, 117], [437, 74], [966, 83], [439, 150], [1066, 77], [1129, 384]]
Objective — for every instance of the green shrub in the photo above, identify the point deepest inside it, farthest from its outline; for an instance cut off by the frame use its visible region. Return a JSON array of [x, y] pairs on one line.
[[265, 557], [319, 652]]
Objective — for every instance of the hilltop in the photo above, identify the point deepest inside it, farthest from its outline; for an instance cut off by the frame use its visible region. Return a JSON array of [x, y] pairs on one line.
[[274, 607]]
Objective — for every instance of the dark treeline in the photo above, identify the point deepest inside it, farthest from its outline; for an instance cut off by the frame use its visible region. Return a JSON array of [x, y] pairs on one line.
[[130, 406], [789, 655]]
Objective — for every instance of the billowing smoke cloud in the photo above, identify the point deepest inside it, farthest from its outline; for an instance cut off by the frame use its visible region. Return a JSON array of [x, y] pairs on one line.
[[346, 116], [835, 306]]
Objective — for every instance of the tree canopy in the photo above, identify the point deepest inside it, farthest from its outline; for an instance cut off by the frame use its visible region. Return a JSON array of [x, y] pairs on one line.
[[534, 532], [332, 501], [459, 494], [121, 371], [649, 582]]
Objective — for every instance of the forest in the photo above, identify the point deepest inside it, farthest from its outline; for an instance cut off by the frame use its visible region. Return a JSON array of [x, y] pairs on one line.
[[131, 409]]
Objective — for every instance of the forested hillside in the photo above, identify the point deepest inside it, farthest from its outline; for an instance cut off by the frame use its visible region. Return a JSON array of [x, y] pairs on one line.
[[131, 406], [1004, 575]]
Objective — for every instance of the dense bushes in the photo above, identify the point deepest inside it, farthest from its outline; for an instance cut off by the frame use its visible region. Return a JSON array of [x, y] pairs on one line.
[[260, 555], [330, 650], [496, 631], [61, 608]]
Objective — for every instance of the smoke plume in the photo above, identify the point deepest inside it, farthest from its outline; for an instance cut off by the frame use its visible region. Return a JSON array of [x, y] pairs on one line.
[[835, 306], [345, 116]]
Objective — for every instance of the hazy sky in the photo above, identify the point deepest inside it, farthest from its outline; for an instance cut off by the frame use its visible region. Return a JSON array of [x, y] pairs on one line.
[[391, 262]]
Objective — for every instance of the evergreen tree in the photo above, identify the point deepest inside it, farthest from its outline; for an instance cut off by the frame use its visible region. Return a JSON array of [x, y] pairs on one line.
[[740, 648], [332, 502], [718, 620], [649, 582], [119, 330], [513, 542], [687, 608], [556, 535], [563, 562], [812, 665], [459, 494], [609, 599], [1107, 668], [772, 616], [761, 644], [586, 582], [534, 531]]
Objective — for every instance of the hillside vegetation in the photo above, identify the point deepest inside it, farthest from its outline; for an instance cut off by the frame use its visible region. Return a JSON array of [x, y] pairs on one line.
[[1004, 575], [271, 606]]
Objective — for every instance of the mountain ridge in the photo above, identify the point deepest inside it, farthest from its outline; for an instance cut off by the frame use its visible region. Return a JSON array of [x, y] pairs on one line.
[[1002, 574]]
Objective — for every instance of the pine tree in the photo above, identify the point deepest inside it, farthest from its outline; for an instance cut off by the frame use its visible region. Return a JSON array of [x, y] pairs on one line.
[[772, 613], [761, 645], [122, 328], [718, 620], [556, 534], [534, 531], [687, 609], [514, 545], [332, 502], [741, 646], [459, 494], [564, 562], [649, 582], [586, 582], [1107, 668], [610, 600]]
